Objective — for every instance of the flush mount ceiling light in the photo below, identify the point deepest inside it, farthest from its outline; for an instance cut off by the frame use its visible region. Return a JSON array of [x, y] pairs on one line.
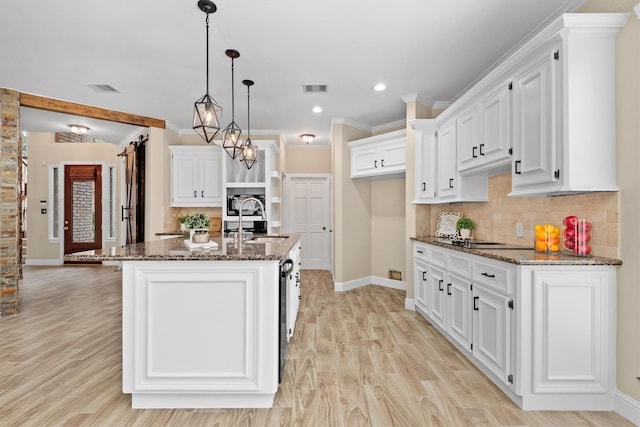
[[232, 134], [317, 109], [79, 129], [380, 87], [249, 154], [207, 112], [307, 137]]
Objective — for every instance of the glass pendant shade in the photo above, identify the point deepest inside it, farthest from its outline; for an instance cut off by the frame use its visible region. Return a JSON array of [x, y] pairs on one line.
[[206, 117], [232, 134], [232, 140], [249, 154]]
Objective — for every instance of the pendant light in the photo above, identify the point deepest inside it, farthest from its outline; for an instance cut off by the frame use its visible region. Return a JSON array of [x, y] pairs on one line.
[[249, 154], [232, 134], [207, 112]]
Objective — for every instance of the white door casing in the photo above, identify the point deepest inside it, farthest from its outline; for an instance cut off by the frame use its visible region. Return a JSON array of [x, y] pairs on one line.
[[308, 212]]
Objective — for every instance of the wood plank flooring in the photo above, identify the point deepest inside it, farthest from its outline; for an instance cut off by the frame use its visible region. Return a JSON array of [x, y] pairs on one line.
[[357, 358]]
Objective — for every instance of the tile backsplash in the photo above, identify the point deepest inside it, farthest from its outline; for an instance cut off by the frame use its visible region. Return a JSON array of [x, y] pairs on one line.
[[496, 219]]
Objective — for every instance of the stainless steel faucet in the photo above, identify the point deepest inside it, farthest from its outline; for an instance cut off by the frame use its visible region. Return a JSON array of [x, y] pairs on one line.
[[264, 215]]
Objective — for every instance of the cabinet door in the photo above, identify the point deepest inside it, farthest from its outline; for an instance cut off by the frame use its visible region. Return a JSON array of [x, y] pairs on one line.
[[420, 281], [184, 179], [392, 156], [211, 175], [495, 125], [425, 174], [467, 143], [573, 340], [364, 161], [492, 331], [535, 122], [459, 309], [436, 296], [446, 152]]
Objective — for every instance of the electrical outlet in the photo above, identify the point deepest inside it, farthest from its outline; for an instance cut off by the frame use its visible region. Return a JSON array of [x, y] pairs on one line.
[[519, 230]]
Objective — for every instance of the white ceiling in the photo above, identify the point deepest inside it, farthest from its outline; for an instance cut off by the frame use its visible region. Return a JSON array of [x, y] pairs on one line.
[[153, 53]]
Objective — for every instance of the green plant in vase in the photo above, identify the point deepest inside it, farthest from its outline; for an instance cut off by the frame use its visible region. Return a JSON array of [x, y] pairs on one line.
[[197, 221], [464, 226]]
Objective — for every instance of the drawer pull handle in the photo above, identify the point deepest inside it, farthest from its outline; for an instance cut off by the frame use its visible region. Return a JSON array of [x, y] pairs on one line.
[[424, 277], [475, 305], [195, 193], [375, 163], [440, 288], [448, 288], [473, 152], [424, 186], [517, 168], [420, 252], [382, 163], [450, 182], [482, 149], [488, 275]]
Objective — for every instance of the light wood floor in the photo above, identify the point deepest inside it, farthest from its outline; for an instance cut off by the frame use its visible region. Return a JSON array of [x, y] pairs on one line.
[[357, 358]]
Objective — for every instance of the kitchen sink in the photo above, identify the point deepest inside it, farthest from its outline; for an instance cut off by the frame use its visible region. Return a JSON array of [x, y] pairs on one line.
[[266, 239]]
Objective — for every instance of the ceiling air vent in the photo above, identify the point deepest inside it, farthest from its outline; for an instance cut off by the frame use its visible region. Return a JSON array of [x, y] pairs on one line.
[[314, 88], [103, 88]]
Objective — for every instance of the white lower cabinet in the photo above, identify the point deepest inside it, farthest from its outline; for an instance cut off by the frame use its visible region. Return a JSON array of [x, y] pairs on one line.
[[293, 290], [492, 332], [543, 333]]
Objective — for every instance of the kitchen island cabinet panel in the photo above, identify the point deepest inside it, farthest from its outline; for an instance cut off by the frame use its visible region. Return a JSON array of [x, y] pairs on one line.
[[200, 334]]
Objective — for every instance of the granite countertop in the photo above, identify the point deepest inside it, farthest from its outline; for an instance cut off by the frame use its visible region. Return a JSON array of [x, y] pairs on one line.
[[524, 255], [174, 249]]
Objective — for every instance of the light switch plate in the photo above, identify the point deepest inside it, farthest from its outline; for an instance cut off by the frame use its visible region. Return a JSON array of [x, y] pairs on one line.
[[519, 230]]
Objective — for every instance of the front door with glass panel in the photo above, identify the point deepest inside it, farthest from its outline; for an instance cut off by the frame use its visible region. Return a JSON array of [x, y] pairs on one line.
[[82, 223]]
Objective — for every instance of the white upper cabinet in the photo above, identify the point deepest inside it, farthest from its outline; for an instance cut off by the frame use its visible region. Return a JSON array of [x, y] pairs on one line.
[[535, 137], [425, 167], [437, 179], [564, 109], [484, 131], [446, 151], [547, 112], [196, 176], [379, 155]]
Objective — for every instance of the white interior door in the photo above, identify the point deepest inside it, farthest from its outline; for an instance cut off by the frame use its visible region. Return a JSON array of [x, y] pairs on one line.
[[308, 207]]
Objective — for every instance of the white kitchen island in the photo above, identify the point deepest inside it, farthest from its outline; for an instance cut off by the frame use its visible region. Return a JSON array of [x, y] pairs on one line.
[[200, 329]]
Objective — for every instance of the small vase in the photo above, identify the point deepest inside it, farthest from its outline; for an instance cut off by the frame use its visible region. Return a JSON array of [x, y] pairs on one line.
[[199, 235], [465, 233]]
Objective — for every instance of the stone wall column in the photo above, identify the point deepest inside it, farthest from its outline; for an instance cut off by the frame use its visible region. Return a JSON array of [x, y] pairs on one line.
[[10, 267]]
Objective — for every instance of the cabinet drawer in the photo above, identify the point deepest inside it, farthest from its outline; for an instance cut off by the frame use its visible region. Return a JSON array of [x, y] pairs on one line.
[[459, 264], [437, 257], [498, 276], [420, 251]]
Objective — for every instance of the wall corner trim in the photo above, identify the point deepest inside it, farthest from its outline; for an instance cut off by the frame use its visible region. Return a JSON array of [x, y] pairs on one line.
[[369, 280]]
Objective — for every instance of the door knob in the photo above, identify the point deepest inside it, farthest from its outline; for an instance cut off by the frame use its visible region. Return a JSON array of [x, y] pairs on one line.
[[65, 228], [324, 228]]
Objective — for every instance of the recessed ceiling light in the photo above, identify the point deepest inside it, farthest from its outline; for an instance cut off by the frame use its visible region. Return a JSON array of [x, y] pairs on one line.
[[317, 109], [380, 87]]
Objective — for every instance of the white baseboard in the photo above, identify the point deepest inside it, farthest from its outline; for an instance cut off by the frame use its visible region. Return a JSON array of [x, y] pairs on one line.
[[410, 304], [30, 261], [627, 407], [369, 280]]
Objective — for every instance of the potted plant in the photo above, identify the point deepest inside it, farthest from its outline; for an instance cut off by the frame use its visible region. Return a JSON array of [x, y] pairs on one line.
[[198, 225], [465, 225]]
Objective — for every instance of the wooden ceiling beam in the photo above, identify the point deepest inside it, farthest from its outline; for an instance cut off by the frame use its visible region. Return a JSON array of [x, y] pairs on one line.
[[59, 106]]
